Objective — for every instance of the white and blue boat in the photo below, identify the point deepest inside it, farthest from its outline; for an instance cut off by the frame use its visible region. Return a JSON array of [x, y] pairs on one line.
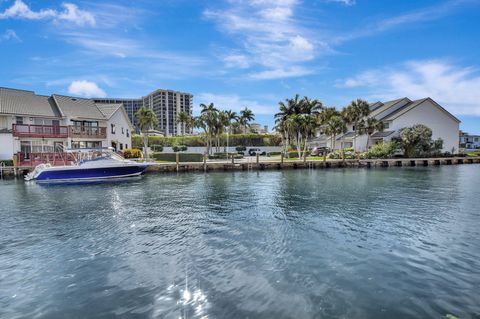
[[90, 165]]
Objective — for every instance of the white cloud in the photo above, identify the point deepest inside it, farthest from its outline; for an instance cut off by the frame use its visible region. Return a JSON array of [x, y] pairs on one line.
[[345, 2], [86, 89], [235, 103], [456, 88], [9, 35], [236, 61], [71, 13], [269, 36], [278, 73]]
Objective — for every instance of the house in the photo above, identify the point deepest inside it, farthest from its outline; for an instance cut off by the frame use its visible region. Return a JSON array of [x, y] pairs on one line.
[[396, 115], [39, 124], [469, 142]]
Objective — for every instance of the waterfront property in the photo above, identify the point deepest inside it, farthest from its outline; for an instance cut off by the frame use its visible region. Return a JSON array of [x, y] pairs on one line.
[[396, 115], [469, 142], [33, 126], [165, 103]]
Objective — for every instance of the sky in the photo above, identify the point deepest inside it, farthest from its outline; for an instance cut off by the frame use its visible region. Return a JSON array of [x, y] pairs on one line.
[[248, 53]]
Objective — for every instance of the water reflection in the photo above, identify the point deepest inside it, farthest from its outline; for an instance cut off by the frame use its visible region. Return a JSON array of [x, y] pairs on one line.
[[396, 243]]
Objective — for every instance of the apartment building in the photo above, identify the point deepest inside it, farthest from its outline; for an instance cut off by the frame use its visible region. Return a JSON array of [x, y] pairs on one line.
[[165, 103], [469, 142], [32, 124]]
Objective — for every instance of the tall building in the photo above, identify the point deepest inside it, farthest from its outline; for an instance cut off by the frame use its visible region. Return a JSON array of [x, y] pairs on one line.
[[165, 103]]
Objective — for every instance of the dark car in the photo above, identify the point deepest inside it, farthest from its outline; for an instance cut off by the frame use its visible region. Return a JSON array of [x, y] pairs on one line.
[[317, 151], [255, 151]]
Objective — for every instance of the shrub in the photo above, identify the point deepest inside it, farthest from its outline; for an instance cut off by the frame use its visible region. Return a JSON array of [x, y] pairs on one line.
[[349, 153], [241, 148], [183, 157], [274, 154], [132, 153], [382, 150], [224, 156], [179, 148], [157, 148], [292, 154], [7, 162]]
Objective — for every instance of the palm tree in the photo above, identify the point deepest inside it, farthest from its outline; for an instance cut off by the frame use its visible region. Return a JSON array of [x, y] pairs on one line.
[[334, 126], [246, 116], [370, 126], [354, 113], [287, 108], [208, 118], [147, 119], [185, 120], [231, 117]]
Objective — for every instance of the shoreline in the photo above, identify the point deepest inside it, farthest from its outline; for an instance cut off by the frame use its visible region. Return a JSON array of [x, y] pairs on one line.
[[261, 165]]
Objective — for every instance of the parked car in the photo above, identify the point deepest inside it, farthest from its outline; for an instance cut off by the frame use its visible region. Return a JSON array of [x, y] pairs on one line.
[[317, 151], [255, 151]]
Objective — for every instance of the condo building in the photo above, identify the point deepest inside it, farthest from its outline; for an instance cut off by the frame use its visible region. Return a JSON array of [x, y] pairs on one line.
[[33, 125], [165, 103]]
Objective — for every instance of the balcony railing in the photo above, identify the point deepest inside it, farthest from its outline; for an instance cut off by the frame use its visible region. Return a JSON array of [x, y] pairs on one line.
[[34, 159], [88, 132], [44, 131]]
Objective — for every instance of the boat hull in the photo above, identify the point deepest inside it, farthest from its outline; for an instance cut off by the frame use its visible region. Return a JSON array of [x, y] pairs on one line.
[[78, 174]]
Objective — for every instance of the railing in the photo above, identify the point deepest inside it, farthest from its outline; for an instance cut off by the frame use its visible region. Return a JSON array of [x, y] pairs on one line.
[[34, 159], [88, 132], [52, 131]]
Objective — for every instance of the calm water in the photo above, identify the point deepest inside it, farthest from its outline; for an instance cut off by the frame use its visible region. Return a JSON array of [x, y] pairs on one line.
[[394, 243]]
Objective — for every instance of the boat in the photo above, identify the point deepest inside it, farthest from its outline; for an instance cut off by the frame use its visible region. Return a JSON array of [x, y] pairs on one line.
[[88, 165]]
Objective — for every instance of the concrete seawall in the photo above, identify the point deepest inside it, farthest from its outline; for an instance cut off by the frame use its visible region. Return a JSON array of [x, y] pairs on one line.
[[277, 164], [299, 164]]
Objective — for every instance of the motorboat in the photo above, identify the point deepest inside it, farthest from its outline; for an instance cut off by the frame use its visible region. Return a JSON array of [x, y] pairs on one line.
[[88, 165]]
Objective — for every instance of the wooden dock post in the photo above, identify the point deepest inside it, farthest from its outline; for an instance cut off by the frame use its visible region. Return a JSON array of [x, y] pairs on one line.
[[204, 162], [233, 159], [258, 158], [177, 160]]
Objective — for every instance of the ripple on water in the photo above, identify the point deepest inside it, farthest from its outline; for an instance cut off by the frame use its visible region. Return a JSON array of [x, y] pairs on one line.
[[397, 243]]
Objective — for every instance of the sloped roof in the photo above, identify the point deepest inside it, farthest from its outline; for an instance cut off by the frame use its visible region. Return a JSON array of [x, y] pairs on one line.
[[78, 107], [382, 134], [414, 104], [389, 106], [346, 135], [13, 101], [108, 109]]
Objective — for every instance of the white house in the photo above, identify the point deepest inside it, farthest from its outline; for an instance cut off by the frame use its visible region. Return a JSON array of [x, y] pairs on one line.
[[396, 115], [33, 124], [469, 142]]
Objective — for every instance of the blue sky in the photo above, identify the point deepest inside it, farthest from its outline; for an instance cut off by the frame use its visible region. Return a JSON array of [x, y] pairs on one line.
[[252, 53]]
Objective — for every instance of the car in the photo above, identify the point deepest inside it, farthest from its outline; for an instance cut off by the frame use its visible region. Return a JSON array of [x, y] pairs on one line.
[[317, 151], [255, 151]]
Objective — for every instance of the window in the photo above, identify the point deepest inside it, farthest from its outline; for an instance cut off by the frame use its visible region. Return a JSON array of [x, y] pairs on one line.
[[112, 126], [386, 124], [19, 120], [128, 133], [126, 145], [123, 130], [121, 146]]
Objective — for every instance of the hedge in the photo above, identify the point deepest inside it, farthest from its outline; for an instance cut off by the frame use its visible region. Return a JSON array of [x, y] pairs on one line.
[[7, 162], [183, 157], [132, 153], [224, 156], [199, 140]]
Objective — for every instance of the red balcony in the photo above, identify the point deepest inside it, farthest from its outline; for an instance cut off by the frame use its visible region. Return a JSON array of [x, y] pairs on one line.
[[55, 159], [88, 132], [42, 131]]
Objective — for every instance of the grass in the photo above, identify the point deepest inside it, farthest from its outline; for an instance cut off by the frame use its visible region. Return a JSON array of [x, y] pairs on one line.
[[473, 154]]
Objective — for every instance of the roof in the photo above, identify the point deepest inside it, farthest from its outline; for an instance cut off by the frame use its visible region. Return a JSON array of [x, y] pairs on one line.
[[13, 101], [414, 104], [376, 105], [382, 134], [108, 109], [389, 106], [78, 107], [346, 135]]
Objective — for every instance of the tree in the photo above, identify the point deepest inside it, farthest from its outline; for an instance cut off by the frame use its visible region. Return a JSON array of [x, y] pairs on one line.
[[208, 119], [246, 116], [231, 117], [370, 126], [185, 120], [334, 126], [287, 108], [354, 113], [417, 140], [147, 119]]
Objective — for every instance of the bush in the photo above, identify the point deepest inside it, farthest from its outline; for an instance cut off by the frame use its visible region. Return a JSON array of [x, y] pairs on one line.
[[157, 148], [241, 148], [274, 154], [132, 153], [224, 156], [7, 162], [349, 153], [179, 148], [183, 157], [382, 150]]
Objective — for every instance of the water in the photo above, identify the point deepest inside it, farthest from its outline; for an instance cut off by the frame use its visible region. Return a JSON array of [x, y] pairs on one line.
[[393, 243]]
